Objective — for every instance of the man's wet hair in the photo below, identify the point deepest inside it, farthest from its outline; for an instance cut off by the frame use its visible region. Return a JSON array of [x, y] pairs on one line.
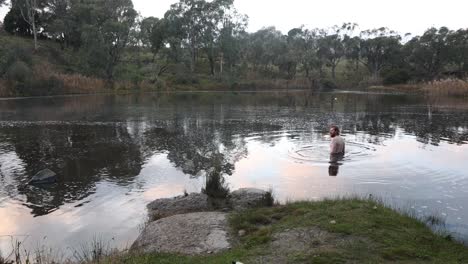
[[337, 129]]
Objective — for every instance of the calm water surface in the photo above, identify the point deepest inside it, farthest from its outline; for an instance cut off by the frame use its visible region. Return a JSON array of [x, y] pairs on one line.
[[114, 154]]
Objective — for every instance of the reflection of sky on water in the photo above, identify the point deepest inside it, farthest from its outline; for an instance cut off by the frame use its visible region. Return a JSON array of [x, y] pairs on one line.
[[113, 212], [114, 154]]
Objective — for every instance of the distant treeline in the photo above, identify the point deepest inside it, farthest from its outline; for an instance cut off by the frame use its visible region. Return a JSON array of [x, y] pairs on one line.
[[108, 39]]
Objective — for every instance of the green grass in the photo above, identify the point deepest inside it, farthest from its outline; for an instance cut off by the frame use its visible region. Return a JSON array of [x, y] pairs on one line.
[[373, 233]]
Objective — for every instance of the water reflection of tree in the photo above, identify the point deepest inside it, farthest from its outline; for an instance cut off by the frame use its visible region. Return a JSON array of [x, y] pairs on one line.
[[81, 156], [194, 130], [195, 145], [377, 118]]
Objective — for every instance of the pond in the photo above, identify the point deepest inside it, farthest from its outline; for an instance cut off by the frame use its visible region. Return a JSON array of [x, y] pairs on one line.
[[116, 153]]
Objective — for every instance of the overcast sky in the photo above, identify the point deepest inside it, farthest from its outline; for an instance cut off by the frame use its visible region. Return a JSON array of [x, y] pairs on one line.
[[404, 16]]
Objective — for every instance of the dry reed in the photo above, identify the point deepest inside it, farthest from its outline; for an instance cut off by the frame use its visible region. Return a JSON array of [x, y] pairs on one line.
[[447, 87]]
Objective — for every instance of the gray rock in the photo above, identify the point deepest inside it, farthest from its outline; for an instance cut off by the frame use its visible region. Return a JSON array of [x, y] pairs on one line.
[[194, 202], [189, 234], [44, 177], [249, 198]]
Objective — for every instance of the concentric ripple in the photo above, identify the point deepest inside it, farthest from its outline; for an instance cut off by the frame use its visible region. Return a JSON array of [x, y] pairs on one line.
[[319, 152]]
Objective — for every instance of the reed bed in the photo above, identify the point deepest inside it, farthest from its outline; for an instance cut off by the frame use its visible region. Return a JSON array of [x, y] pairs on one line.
[[447, 87]]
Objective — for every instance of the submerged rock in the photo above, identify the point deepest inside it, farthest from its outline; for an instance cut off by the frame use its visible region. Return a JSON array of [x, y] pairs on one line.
[[189, 234], [194, 202], [44, 177], [250, 198]]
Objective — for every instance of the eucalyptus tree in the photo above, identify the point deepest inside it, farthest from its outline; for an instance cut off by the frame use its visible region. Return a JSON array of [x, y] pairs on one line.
[[458, 50], [107, 33], [379, 48], [14, 23], [154, 33], [57, 20], [429, 54], [213, 16], [296, 51], [29, 10], [264, 47], [231, 39], [200, 23], [332, 51], [311, 61]]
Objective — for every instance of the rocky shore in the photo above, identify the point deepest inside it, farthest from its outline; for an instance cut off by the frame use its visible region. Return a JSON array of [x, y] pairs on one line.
[[195, 223]]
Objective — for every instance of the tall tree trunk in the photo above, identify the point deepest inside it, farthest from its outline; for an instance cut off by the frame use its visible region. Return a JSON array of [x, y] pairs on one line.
[[210, 54], [212, 66], [334, 72], [193, 58], [221, 61], [34, 30], [30, 7]]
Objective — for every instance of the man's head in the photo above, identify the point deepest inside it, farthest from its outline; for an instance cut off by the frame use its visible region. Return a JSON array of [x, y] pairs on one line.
[[334, 131]]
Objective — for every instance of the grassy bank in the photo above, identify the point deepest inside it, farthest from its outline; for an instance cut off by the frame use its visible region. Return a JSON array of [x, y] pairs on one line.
[[331, 231], [54, 71]]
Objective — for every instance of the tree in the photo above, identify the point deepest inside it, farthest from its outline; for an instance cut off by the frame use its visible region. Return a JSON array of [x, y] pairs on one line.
[[458, 49], [332, 51], [154, 31], [14, 23], [265, 46], [199, 22], [29, 10], [429, 53], [107, 34], [379, 48], [215, 15], [231, 39]]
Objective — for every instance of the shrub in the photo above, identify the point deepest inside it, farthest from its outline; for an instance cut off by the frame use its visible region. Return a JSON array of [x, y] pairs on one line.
[[12, 55], [328, 84], [215, 186], [398, 76], [19, 72]]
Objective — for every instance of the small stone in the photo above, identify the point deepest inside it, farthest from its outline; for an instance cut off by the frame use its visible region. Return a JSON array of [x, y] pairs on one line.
[[375, 208], [332, 222], [241, 233]]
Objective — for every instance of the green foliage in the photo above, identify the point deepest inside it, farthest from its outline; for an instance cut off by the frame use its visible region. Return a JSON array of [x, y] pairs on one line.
[[19, 73], [106, 39], [215, 186], [380, 48], [14, 23], [396, 76], [12, 53]]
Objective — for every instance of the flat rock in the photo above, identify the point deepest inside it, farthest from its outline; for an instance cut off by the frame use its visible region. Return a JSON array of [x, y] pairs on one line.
[[249, 198], [194, 202], [188, 234]]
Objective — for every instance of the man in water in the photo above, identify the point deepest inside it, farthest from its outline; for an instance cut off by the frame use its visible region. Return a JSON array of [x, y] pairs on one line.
[[337, 144], [337, 150]]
